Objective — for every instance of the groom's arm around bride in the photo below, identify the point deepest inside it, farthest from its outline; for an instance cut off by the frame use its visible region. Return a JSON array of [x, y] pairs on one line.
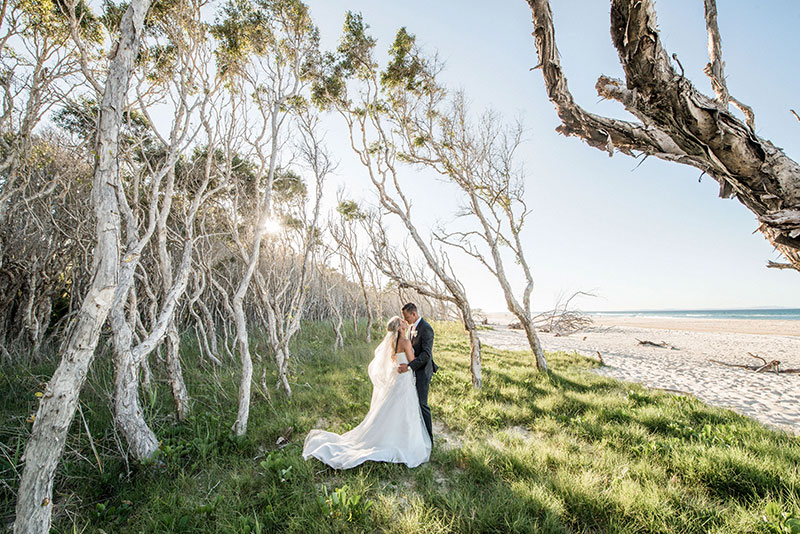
[[422, 343]]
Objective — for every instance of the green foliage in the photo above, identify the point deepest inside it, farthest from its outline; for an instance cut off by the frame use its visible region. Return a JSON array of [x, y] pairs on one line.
[[79, 117], [160, 12], [352, 59], [159, 61], [356, 47], [328, 86], [280, 30], [289, 187], [342, 505], [112, 15], [350, 211], [51, 18], [241, 29], [780, 522], [190, 171], [406, 68], [115, 515]]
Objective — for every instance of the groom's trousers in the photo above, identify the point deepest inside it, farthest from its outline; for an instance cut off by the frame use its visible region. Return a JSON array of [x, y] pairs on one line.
[[422, 392]]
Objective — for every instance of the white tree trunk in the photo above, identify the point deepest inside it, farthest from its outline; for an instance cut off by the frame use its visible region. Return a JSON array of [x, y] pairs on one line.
[[282, 358], [60, 400], [336, 322], [211, 331], [127, 411], [369, 321], [147, 375], [536, 346], [243, 413], [474, 352], [175, 373], [128, 415]]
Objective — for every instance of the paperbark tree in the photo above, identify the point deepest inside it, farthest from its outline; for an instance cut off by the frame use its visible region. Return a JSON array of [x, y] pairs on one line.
[[60, 399], [352, 84], [344, 231], [175, 77], [330, 281], [40, 71], [270, 48], [479, 159], [394, 260], [39, 65], [675, 121], [286, 289], [45, 245]]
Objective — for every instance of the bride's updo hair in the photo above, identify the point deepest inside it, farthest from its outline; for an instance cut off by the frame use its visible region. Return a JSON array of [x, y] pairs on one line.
[[393, 327], [394, 324]]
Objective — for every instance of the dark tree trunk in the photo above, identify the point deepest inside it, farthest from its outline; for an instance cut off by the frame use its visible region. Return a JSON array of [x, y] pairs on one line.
[[675, 121]]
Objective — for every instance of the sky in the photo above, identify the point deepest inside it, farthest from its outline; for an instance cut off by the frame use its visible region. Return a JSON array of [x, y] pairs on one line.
[[649, 236]]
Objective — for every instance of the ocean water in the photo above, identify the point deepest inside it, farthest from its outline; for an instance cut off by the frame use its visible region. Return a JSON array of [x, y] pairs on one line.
[[791, 314]]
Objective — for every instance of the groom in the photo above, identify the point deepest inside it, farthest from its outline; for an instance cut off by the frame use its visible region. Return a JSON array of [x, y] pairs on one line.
[[423, 364]]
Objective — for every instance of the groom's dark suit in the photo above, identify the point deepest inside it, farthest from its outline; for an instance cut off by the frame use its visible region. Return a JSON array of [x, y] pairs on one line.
[[423, 367]]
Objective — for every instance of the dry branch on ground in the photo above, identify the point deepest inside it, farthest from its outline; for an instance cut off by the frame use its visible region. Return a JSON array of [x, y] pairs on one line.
[[662, 345], [772, 365]]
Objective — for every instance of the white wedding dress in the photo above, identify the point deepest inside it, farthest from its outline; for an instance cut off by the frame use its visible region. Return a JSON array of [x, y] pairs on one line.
[[393, 429]]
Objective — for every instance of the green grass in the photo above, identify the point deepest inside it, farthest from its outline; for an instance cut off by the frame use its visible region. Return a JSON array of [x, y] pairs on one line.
[[566, 452]]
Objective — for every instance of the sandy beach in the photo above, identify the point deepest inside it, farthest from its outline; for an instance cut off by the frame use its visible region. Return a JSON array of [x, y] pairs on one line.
[[733, 326], [770, 398]]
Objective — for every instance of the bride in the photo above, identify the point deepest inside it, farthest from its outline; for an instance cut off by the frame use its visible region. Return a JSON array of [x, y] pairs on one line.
[[393, 429]]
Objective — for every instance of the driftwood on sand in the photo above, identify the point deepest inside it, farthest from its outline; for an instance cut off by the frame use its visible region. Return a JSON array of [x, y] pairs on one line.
[[563, 320], [773, 365], [662, 345]]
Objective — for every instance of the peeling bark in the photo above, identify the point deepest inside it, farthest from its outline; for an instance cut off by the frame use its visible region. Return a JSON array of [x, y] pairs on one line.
[[175, 374], [677, 122], [59, 403]]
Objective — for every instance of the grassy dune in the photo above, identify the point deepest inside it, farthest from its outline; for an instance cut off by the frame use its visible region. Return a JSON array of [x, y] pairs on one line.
[[565, 452]]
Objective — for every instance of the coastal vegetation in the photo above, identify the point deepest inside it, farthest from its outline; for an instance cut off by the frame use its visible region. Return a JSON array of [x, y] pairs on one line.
[[181, 299], [568, 451]]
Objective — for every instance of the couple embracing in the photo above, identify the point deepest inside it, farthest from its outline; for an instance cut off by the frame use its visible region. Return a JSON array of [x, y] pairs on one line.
[[397, 427]]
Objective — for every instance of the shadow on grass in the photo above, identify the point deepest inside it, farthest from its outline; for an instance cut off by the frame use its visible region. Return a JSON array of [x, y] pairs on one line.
[[585, 454]]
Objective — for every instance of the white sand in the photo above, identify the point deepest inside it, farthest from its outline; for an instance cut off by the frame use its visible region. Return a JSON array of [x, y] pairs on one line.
[[770, 398]]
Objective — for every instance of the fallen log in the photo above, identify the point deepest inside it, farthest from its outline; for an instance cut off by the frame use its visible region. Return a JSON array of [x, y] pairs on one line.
[[773, 365], [751, 367], [662, 345]]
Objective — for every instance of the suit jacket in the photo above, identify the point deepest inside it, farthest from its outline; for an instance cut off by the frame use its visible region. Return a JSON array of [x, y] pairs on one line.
[[422, 343]]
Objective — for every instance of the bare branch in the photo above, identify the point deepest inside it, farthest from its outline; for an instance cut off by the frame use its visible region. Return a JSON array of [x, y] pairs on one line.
[[678, 123]]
